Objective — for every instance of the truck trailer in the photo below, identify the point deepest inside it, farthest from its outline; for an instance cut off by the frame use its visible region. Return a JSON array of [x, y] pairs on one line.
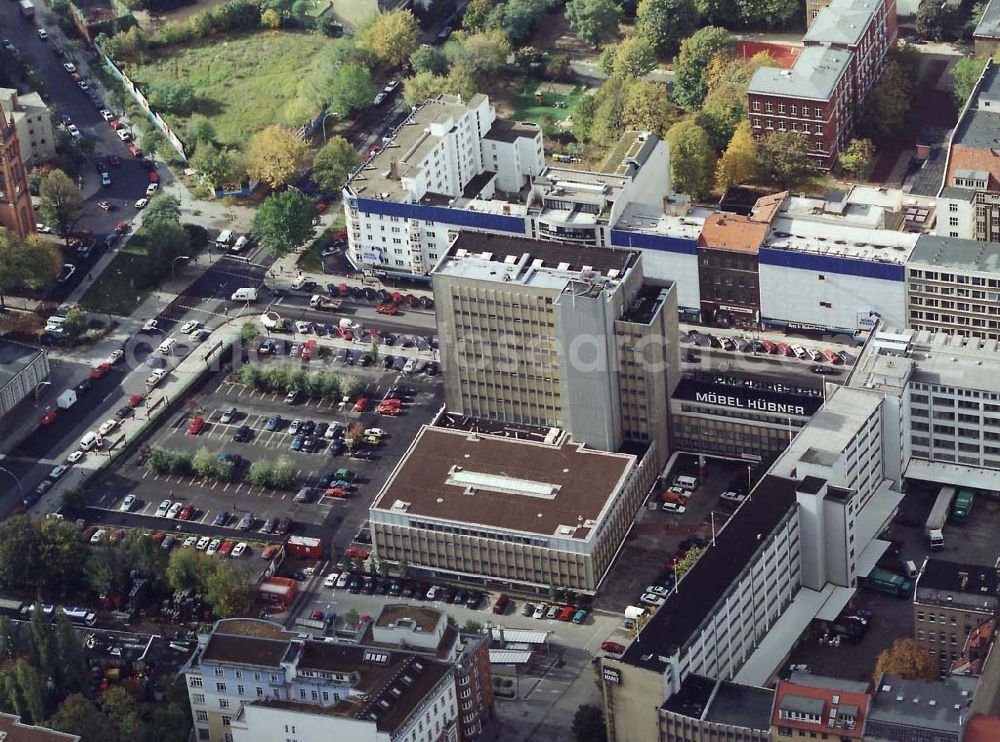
[[934, 527]]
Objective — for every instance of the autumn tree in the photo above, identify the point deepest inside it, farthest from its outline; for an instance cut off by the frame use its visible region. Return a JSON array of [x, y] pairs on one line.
[[685, 564], [594, 20], [857, 158], [422, 86], [696, 52], [783, 160], [26, 264], [907, 660], [284, 221], [691, 159], [647, 107], [62, 202], [665, 23], [727, 79], [634, 57], [482, 54], [738, 163], [79, 716], [275, 155], [393, 37], [219, 165], [333, 163]]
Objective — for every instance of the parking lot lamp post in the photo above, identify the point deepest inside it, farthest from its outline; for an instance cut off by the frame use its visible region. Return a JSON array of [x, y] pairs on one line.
[[17, 481]]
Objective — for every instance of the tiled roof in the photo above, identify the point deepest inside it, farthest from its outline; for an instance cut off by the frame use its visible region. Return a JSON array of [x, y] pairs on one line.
[[812, 699], [732, 232]]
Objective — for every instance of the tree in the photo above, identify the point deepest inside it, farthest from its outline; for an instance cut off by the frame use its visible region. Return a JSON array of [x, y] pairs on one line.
[[906, 659], [647, 107], [429, 59], [481, 54], [857, 158], [423, 86], [72, 661], [229, 591], [249, 332], [26, 264], [691, 159], [351, 619], [393, 37], [188, 570], [275, 155], [965, 73], [270, 18], [738, 163], [770, 13], [77, 715], [177, 97], [634, 57], [472, 627], [44, 652], [594, 20], [934, 19], [697, 51], [61, 552], [719, 12], [31, 684], [886, 112], [349, 89], [665, 23], [334, 163], [606, 124], [62, 203], [723, 108], [18, 551], [783, 160], [123, 711], [284, 221], [588, 724], [218, 165], [685, 564], [161, 209]]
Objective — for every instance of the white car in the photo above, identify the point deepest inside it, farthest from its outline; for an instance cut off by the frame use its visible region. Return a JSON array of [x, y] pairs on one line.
[[167, 345], [70, 68], [43, 228], [43, 34], [115, 356], [214, 546], [151, 326], [106, 114], [189, 327], [733, 497], [302, 327], [75, 456], [141, 203], [331, 580], [377, 432], [152, 188], [378, 99], [82, 84], [238, 550], [203, 543], [652, 599], [299, 282], [123, 134], [57, 472], [127, 504], [800, 352], [189, 542], [343, 580], [161, 512], [673, 507], [107, 426], [73, 131], [657, 590], [540, 611], [98, 536], [175, 509]]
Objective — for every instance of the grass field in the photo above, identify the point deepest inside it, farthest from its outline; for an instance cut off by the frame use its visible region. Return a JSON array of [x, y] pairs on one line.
[[115, 291], [526, 108], [244, 83]]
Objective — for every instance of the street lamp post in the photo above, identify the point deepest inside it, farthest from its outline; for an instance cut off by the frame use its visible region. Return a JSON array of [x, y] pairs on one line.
[[17, 481], [38, 388]]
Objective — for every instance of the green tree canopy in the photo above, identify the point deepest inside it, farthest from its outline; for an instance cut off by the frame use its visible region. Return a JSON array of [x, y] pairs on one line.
[[588, 724], [393, 37], [284, 221], [697, 51], [333, 163], [783, 160], [594, 21], [665, 23], [350, 89], [857, 158], [26, 264], [964, 75], [738, 163], [62, 202], [691, 159]]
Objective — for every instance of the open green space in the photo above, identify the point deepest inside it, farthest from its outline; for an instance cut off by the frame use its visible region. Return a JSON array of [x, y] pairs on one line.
[[243, 83], [527, 108], [116, 290]]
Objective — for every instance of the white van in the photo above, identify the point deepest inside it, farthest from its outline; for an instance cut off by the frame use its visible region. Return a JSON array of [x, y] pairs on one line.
[[910, 567], [88, 441], [410, 366], [245, 294], [688, 483], [240, 244], [224, 238]]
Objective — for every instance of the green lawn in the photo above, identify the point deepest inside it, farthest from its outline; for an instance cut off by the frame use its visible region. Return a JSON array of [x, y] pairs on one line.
[[244, 83], [115, 290], [526, 108]]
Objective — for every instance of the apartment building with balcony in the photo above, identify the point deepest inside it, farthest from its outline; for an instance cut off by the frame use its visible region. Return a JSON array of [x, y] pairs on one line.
[[950, 601]]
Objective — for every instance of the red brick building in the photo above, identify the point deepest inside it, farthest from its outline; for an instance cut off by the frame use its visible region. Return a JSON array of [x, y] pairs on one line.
[[474, 685], [846, 49], [15, 201]]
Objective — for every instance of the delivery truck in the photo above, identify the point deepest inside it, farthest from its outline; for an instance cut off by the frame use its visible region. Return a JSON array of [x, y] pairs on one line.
[[27, 8], [324, 303], [887, 582], [934, 527]]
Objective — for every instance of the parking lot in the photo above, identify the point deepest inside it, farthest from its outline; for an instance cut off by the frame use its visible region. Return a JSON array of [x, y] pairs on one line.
[[656, 535], [326, 517]]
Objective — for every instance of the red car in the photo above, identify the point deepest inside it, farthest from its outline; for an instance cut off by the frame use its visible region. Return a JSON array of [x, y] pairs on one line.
[[344, 290], [135, 400], [360, 405], [566, 613], [337, 492], [391, 411], [154, 177], [196, 426], [270, 550], [121, 227], [114, 160], [99, 370], [136, 152], [307, 349], [411, 300], [227, 546], [345, 332], [187, 512], [48, 418], [389, 309], [356, 552], [612, 647]]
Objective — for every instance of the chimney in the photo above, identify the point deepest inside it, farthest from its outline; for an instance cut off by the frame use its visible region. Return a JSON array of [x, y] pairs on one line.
[[393, 169]]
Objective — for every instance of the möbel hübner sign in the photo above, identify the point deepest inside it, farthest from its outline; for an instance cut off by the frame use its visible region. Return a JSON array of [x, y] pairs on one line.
[[749, 403]]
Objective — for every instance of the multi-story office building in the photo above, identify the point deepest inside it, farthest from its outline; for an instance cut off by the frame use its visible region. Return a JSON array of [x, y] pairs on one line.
[[550, 334], [969, 199], [12, 730], [706, 710], [953, 286], [728, 270], [816, 707], [918, 710], [846, 48], [950, 601], [22, 370], [250, 680], [33, 122], [439, 171], [503, 510], [16, 213]]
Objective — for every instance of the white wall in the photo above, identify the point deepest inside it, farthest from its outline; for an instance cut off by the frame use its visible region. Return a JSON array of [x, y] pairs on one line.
[[794, 295], [269, 724], [964, 213], [682, 268]]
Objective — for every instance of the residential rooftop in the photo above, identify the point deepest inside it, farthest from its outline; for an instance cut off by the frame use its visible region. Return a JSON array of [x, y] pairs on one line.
[[702, 698], [931, 705], [505, 130], [814, 76], [647, 302], [956, 577], [630, 153], [841, 23], [711, 577], [975, 144], [956, 254], [554, 489], [989, 24], [831, 708], [426, 618], [527, 262], [733, 232]]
